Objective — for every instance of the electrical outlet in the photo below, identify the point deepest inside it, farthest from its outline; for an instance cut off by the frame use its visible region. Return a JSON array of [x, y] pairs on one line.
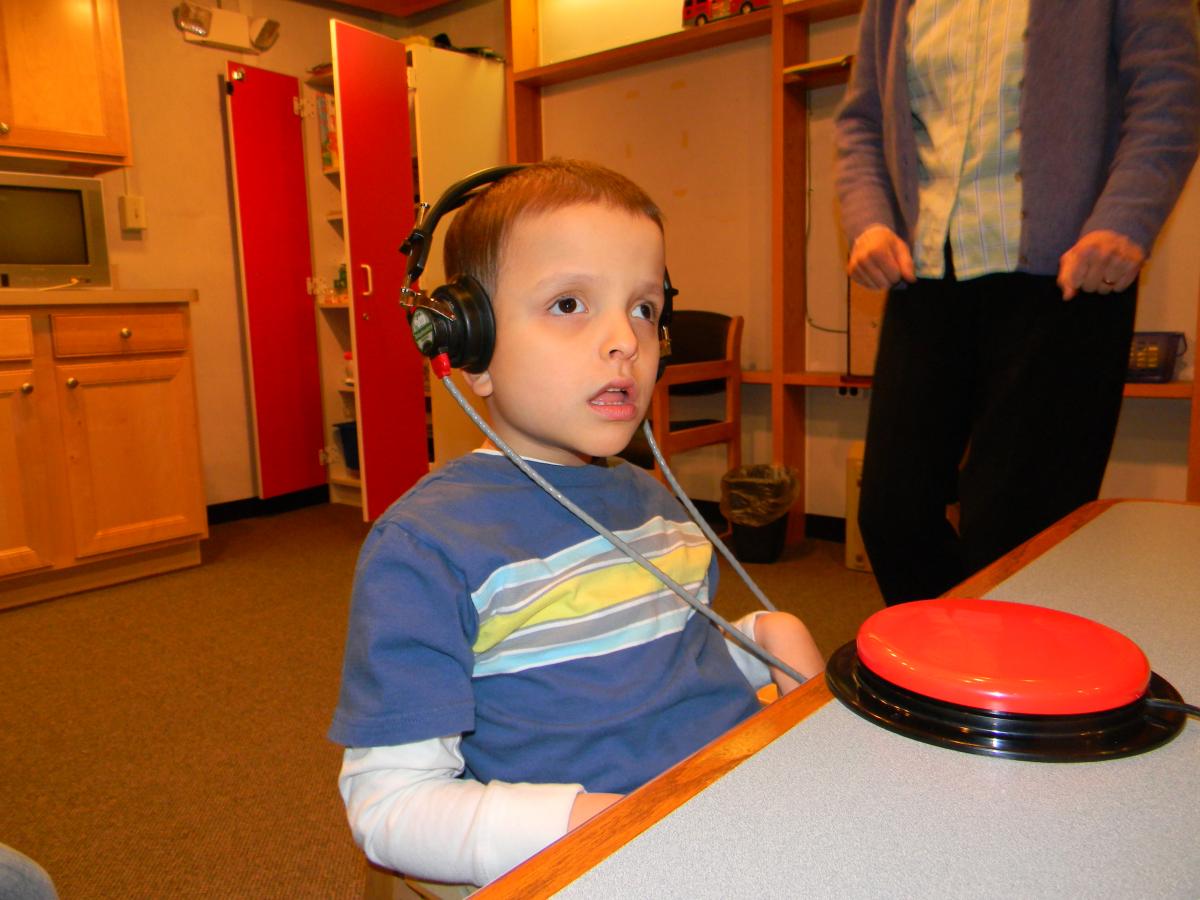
[[132, 209]]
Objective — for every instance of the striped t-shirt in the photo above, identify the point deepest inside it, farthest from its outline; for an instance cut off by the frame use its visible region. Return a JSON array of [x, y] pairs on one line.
[[482, 607]]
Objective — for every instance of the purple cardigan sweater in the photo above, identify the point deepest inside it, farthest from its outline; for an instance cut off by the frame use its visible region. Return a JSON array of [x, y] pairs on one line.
[[1110, 123]]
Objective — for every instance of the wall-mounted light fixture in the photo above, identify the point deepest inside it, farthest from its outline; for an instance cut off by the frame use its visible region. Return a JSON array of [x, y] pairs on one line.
[[224, 28], [193, 19]]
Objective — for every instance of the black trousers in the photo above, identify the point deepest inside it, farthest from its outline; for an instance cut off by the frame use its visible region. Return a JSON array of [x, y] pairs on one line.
[[1000, 370]]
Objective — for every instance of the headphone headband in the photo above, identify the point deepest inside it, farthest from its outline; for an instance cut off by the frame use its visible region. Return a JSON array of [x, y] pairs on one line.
[[458, 194]]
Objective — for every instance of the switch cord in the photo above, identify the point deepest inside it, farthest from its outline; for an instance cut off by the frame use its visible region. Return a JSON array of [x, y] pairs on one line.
[[1178, 706], [648, 433]]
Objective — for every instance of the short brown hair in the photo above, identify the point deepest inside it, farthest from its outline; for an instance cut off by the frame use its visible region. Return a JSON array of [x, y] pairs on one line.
[[476, 237]]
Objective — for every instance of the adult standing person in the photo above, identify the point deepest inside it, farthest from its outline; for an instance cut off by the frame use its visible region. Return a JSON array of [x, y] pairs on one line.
[[1003, 167]]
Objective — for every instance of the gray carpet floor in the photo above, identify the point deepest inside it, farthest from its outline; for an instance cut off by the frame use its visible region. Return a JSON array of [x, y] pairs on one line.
[[165, 738]]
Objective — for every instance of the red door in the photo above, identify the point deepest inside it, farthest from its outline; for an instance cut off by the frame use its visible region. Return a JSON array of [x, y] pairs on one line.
[[370, 75], [272, 200]]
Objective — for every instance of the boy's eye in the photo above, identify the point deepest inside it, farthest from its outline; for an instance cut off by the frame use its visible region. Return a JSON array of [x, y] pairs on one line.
[[645, 311], [566, 305]]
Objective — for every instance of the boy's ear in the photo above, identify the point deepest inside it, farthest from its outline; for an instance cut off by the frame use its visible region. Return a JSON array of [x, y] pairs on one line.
[[479, 382]]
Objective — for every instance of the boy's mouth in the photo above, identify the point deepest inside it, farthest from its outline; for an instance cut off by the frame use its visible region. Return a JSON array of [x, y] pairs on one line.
[[616, 401]]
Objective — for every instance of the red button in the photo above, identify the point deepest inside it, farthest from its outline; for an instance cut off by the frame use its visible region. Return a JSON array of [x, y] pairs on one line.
[[1003, 657]]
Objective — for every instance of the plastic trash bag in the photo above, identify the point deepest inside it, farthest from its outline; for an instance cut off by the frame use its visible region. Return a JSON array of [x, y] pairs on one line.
[[758, 495]]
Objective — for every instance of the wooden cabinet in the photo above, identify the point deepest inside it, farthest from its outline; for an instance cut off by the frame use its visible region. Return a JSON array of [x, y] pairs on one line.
[[62, 84], [25, 541], [100, 475], [409, 121], [793, 73]]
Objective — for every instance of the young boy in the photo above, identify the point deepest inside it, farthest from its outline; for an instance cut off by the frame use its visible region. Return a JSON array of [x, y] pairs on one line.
[[508, 673]]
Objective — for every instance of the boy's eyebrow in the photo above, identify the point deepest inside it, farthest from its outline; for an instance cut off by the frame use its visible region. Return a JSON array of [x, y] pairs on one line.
[[650, 285]]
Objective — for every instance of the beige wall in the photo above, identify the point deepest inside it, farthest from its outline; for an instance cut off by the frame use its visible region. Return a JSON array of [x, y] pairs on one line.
[[181, 167]]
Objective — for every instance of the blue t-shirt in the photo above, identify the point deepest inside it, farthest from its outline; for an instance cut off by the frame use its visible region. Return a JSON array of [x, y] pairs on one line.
[[483, 607]]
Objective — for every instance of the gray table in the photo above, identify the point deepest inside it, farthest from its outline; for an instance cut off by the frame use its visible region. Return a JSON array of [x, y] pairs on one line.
[[839, 807]]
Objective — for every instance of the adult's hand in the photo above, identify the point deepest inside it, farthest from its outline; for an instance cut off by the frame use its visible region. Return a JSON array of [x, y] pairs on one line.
[[1101, 262], [880, 259]]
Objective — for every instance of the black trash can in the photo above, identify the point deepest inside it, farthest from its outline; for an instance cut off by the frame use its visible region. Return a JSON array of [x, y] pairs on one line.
[[756, 500]]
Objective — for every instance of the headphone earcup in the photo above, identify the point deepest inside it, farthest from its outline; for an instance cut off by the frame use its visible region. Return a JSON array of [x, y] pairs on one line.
[[664, 324], [471, 337]]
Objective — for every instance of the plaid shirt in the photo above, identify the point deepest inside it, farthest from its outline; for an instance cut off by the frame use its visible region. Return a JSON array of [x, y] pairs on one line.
[[966, 64]]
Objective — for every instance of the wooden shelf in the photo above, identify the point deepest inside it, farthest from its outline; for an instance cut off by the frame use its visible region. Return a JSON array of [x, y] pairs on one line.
[[820, 10], [346, 481], [820, 72], [680, 43], [329, 304], [1172, 390]]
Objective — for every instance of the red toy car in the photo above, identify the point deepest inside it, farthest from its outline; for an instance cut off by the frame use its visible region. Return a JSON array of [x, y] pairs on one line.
[[697, 12]]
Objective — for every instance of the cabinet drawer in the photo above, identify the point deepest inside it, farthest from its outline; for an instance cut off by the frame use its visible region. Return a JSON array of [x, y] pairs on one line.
[[107, 335], [16, 337]]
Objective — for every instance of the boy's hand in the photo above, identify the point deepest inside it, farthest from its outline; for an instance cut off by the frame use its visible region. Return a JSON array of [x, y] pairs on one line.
[[786, 637], [587, 805]]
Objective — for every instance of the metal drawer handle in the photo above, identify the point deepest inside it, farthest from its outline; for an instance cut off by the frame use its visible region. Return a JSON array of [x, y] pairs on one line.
[[126, 333], [4, 129], [27, 388], [370, 280], [72, 383]]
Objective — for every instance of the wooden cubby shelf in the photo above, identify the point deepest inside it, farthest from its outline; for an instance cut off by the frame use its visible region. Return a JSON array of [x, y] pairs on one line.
[[793, 75]]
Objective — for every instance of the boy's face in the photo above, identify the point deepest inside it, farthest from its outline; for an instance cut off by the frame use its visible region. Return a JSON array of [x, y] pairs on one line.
[[578, 296]]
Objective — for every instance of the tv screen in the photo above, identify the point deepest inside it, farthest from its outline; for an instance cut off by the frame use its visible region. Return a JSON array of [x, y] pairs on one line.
[[52, 232], [42, 225]]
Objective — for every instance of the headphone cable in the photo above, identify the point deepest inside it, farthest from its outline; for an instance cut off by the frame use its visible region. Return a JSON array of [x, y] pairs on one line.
[[648, 433], [443, 374]]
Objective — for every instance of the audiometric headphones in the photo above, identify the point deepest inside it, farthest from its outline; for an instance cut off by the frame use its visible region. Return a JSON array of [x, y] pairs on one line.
[[456, 318]]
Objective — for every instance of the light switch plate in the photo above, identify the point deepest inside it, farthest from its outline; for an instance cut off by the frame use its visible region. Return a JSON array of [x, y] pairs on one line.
[[132, 209]]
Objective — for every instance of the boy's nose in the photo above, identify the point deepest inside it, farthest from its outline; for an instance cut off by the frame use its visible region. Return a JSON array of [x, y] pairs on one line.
[[620, 338]]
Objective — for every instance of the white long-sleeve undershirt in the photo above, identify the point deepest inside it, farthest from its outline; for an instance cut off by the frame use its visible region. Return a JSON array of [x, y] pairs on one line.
[[410, 810]]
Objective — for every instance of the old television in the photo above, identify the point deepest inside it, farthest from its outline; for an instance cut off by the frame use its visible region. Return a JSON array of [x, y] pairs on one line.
[[52, 232]]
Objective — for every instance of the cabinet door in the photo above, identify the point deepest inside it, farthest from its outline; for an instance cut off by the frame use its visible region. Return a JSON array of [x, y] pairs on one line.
[[62, 82], [459, 125], [133, 461], [377, 198], [272, 219], [24, 525]]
